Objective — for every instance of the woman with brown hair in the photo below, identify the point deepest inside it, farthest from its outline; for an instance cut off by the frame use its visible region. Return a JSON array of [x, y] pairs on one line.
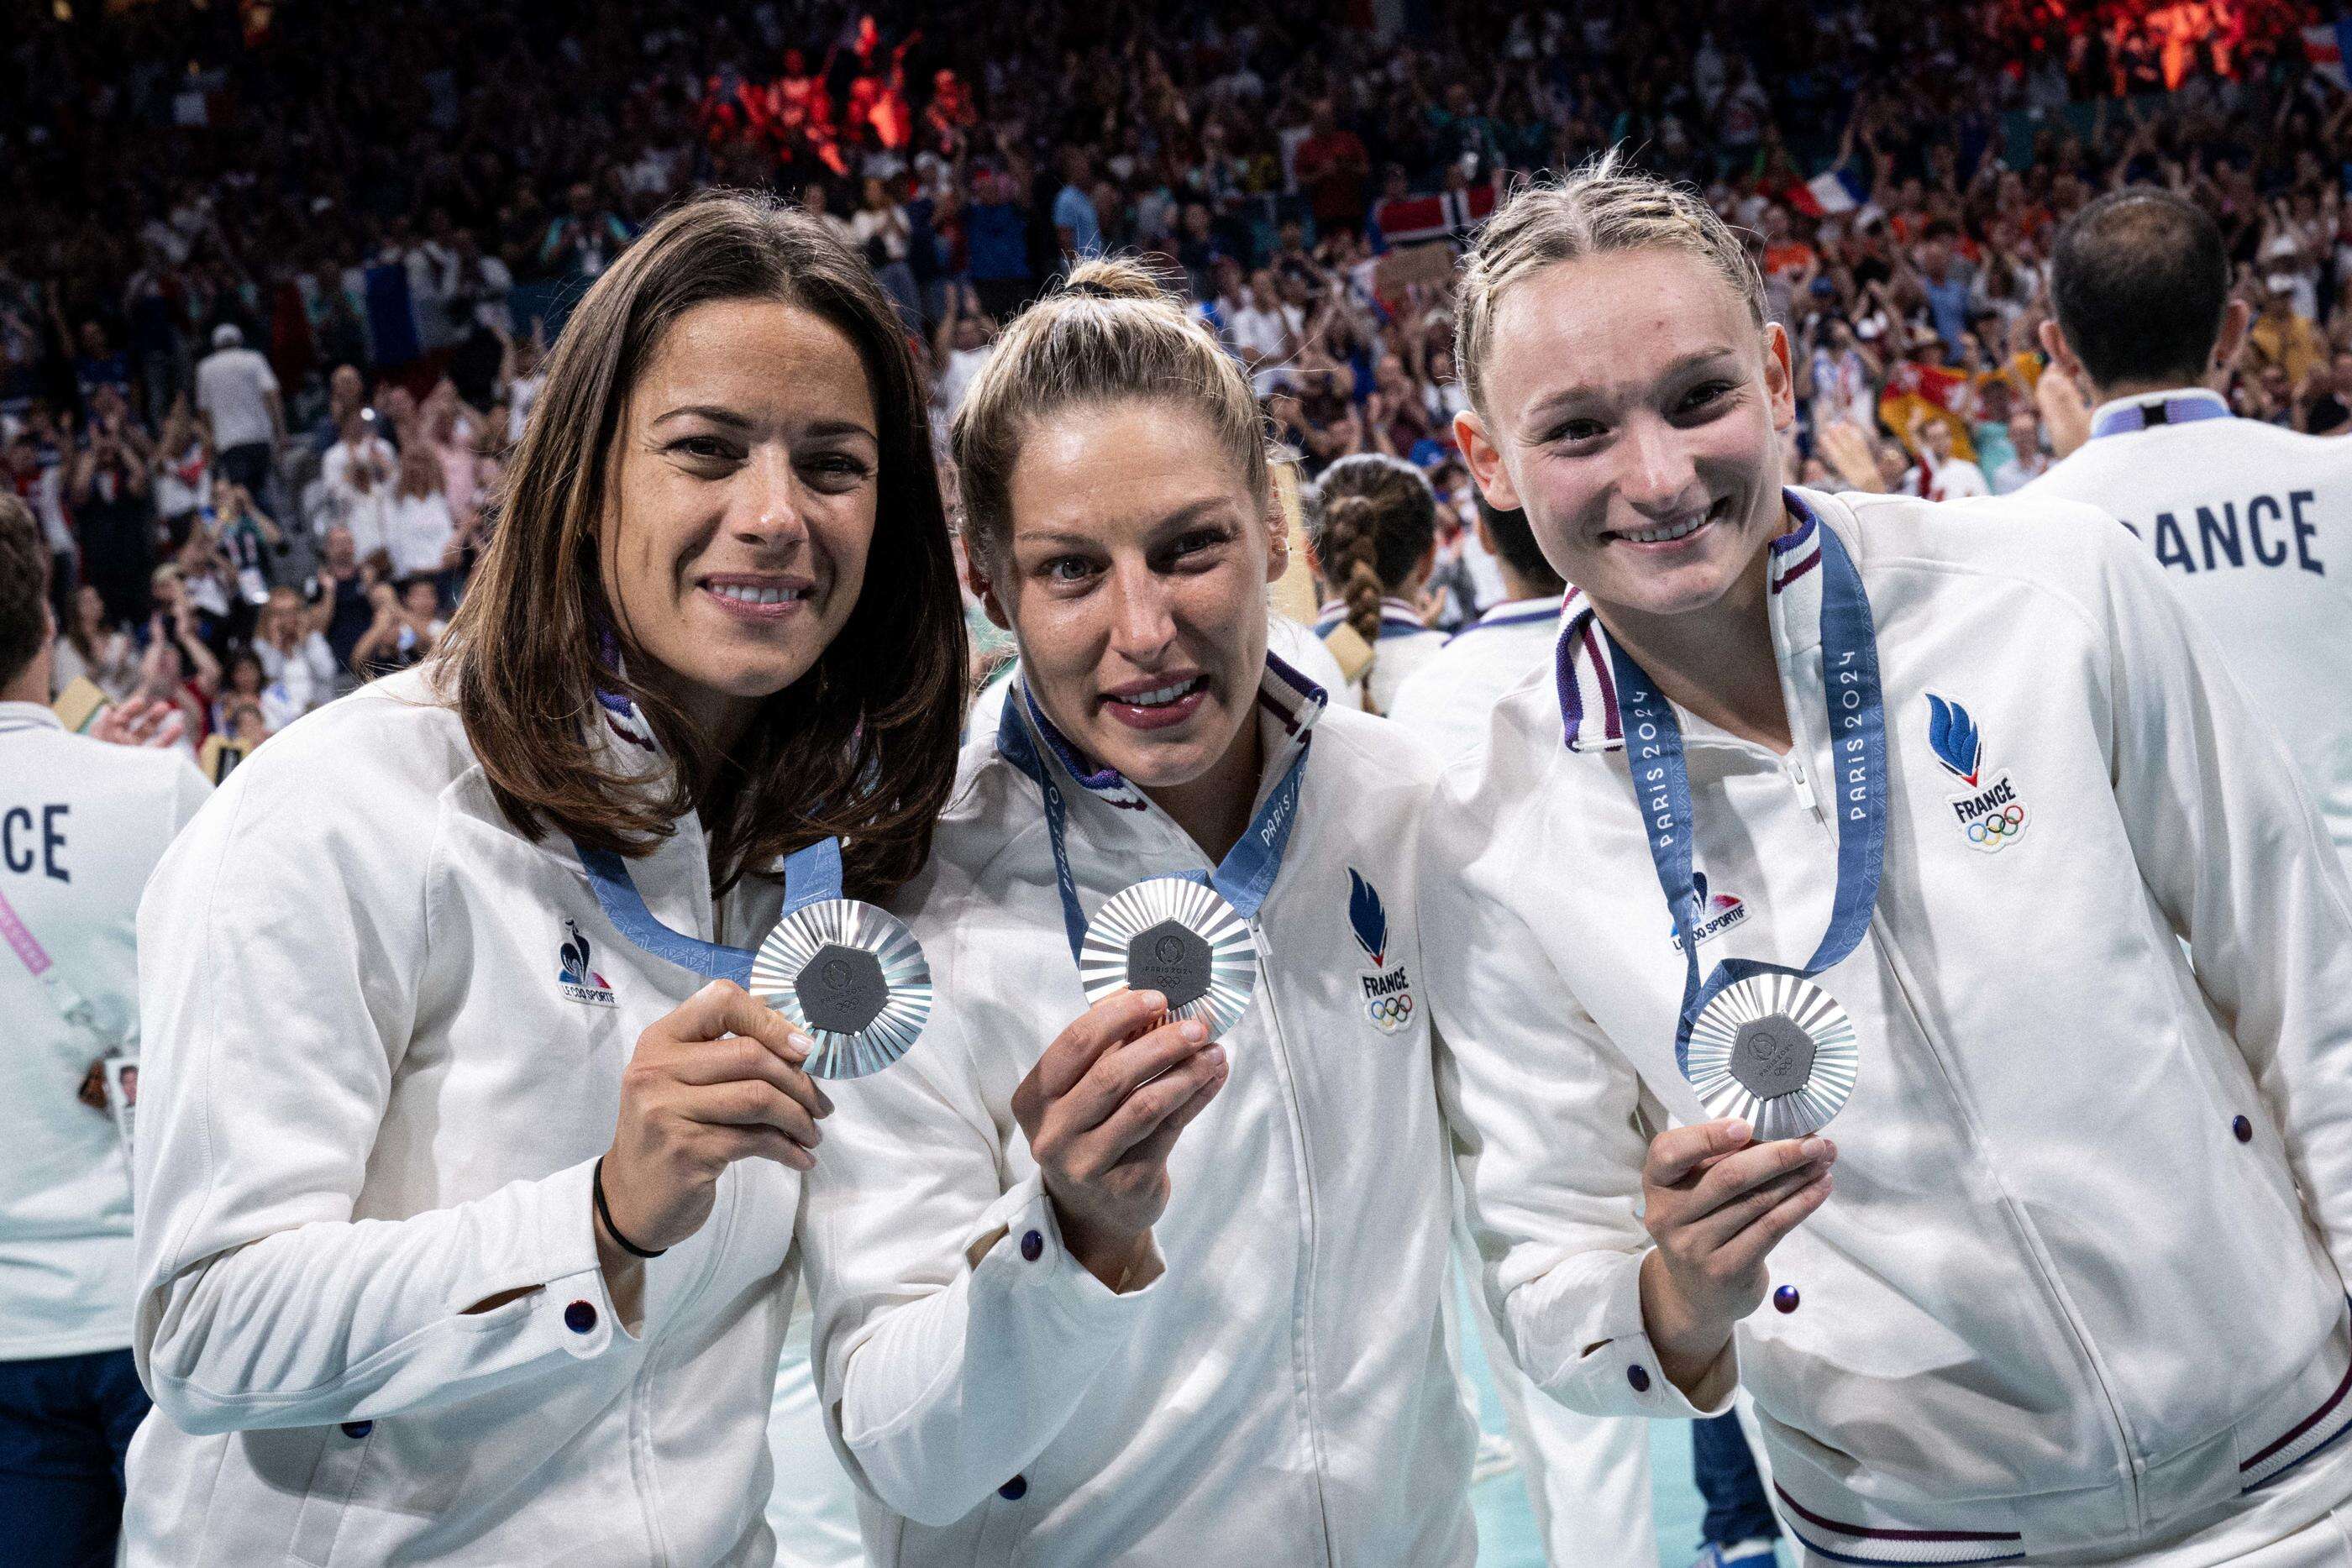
[[467, 1192], [1374, 528]]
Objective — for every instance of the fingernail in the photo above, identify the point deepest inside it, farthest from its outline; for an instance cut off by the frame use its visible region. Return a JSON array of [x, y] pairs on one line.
[[1193, 1030], [1217, 1056], [800, 1042], [824, 1103], [1813, 1148], [1740, 1130]]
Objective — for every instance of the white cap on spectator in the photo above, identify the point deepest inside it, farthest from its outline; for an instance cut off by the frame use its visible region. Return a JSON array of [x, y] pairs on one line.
[[227, 336], [2279, 282]]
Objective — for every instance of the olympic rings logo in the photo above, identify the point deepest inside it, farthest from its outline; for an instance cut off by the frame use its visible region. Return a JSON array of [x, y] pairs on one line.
[[2004, 823], [1391, 1012]]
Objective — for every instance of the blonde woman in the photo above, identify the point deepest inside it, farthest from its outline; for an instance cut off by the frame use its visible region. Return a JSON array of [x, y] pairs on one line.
[[1938, 818], [1092, 1286]]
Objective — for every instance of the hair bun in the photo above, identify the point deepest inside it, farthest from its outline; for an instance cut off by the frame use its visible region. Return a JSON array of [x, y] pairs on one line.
[[1116, 277]]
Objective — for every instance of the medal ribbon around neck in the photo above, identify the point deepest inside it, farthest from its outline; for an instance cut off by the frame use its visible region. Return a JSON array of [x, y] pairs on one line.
[[1243, 878], [1214, 908], [849, 973], [811, 875], [1857, 727]]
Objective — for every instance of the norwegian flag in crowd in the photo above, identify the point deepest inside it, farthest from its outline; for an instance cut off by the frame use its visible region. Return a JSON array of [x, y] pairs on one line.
[[2326, 49], [1446, 214]]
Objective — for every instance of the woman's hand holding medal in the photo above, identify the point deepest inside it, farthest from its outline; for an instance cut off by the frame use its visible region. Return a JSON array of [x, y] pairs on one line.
[[1717, 1203], [715, 1081], [1102, 1108]]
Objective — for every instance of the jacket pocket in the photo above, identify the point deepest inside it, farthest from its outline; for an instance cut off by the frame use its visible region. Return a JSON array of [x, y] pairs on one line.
[[342, 1455]]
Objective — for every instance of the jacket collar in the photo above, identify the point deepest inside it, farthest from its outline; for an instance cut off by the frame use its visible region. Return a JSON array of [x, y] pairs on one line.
[[2181, 405], [1398, 619], [1518, 613], [29, 715], [1288, 704], [1588, 686]]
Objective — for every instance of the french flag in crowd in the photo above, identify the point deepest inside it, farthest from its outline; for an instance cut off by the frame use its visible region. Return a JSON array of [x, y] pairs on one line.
[[1826, 195], [2327, 47]]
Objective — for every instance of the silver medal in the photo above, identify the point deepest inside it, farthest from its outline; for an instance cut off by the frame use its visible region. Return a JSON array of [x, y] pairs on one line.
[[1173, 935], [1776, 1051], [853, 977]]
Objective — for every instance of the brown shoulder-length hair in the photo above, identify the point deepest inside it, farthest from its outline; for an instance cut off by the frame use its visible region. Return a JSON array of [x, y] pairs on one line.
[[863, 746]]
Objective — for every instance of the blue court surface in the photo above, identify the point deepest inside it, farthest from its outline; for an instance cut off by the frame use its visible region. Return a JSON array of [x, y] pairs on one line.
[[1506, 1526]]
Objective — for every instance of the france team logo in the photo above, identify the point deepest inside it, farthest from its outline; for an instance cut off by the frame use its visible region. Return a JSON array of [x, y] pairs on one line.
[[1718, 912], [572, 974], [1989, 812], [1388, 991]]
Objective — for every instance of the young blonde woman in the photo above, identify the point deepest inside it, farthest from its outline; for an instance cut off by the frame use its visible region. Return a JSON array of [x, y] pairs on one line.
[[1938, 819], [1092, 1285], [467, 1177]]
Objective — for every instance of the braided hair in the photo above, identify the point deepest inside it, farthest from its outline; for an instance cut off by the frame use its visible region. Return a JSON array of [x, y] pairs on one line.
[[1374, 520]]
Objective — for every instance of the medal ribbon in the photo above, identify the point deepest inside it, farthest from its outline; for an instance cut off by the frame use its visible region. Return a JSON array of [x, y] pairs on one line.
[[1857, 728], [811, 875], [1243, 878]]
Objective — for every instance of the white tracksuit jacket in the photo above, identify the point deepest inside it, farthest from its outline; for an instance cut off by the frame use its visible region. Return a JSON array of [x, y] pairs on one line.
[[2252, 525], [1447, 699], [2079, 1287], [1282, 1393], [375, 1083], [82, 824]]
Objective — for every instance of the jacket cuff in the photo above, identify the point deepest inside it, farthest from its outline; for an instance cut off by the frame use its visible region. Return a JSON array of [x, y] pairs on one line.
[[1610, 1367], [573, 1307], [1016, 1245]]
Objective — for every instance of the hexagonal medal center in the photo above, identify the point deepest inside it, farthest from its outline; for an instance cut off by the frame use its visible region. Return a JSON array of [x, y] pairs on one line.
[[1771, 1057], [841, 989], [1170, 960]]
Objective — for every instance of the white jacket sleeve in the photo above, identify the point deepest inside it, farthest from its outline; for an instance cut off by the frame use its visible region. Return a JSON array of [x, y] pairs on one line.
[[1550, 1127], [280, 945], [954, 1334], [2229, 845]]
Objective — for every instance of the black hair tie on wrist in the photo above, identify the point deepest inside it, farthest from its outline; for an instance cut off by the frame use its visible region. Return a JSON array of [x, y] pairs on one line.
[[605, 1213]]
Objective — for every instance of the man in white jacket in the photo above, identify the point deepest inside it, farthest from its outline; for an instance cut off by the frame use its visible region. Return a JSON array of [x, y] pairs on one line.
[[2246, 519], [2077, 1293], [82, 823]]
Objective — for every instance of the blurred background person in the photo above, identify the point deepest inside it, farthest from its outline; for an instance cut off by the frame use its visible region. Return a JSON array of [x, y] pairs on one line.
[[81, 824]]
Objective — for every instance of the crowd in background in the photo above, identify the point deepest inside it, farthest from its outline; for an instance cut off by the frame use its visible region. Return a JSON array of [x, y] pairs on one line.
[[281, 275]]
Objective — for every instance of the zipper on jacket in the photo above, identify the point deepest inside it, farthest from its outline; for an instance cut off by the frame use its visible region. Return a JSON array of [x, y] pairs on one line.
[[1307, 1226], [1796, 771], [2029, 1242]]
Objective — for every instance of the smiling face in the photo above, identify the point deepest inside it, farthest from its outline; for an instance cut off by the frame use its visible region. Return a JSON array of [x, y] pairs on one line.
[[744, 505], [1135, 581], [1631, 409]]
